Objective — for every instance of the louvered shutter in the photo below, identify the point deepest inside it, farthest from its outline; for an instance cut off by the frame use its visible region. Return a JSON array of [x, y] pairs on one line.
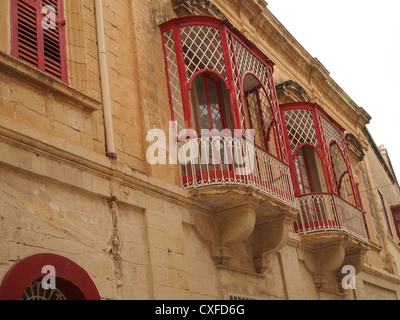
[[43, 48]]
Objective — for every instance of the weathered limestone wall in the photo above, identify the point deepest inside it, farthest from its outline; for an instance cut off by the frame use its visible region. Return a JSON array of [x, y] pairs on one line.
[[129, 225]]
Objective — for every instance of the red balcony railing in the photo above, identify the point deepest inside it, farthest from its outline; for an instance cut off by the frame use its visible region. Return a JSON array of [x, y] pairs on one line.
[[326, 212], [225, 160]]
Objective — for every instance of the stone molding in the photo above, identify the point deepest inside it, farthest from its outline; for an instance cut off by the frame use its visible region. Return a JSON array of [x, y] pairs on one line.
[[232, 214], [33, 77]]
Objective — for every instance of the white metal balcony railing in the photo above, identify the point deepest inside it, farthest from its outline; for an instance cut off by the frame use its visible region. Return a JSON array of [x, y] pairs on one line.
[[326, 212], [225, 160]]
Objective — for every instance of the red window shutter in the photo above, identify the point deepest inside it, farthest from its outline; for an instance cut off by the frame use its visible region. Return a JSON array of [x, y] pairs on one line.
[[43, 48], [24, 31]]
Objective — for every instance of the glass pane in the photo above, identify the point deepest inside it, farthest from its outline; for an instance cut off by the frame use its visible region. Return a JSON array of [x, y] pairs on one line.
[[201, 92], [212, 91], [301, 157], [205, 121], [302, 173], [215, 108], [298, 175], [306, 182], [203, 108], [216, 117]]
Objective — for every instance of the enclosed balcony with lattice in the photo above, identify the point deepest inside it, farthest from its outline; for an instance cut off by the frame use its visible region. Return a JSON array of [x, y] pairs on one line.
[[221, 87], [322, 176]]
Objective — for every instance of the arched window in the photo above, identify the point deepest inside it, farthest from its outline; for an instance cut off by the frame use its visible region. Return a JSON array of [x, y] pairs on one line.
[[309, 171], [24, 280], [342, 177], [210, 103], [259, 115]]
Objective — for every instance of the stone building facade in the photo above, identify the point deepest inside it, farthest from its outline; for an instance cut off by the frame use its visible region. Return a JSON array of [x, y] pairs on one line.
[[82, 90]]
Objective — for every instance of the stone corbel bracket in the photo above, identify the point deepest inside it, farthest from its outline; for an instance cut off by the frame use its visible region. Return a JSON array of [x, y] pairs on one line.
[[327, 253], [274, 222], [222, 227], [235, 215]]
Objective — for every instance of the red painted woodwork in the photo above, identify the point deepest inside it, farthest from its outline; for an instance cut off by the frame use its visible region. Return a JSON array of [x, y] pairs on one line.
[[315, 225], [225, 57], [45, 49]]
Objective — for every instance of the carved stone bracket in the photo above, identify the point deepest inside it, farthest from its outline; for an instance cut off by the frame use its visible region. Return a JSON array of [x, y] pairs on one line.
[[193, 7], [327, 253], [271, 232], [234, 215]]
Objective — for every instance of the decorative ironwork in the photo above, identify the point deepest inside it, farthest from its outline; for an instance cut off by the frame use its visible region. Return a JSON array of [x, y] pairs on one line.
[[325, 212], [35, 291], [268, 175], [331, 133], [202, 49], [301, 128]]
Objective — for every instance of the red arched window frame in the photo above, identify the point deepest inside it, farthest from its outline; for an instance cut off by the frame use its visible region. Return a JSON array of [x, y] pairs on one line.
[[273, 125], [304, 175], [338, 179], [71, 279], [208, 82], [43, 48]]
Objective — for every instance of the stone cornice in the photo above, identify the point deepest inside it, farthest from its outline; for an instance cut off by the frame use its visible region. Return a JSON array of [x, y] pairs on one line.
[[382, 274]]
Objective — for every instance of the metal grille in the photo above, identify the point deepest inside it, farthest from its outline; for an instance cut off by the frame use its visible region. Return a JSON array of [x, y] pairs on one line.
[[35, 291], [248, 62], [301, 128], [174, 82], [323, 212], [229, 166], [331, 132], [202, 49]]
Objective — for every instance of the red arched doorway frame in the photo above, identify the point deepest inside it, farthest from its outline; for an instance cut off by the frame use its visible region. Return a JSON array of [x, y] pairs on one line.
[[71, 279]]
